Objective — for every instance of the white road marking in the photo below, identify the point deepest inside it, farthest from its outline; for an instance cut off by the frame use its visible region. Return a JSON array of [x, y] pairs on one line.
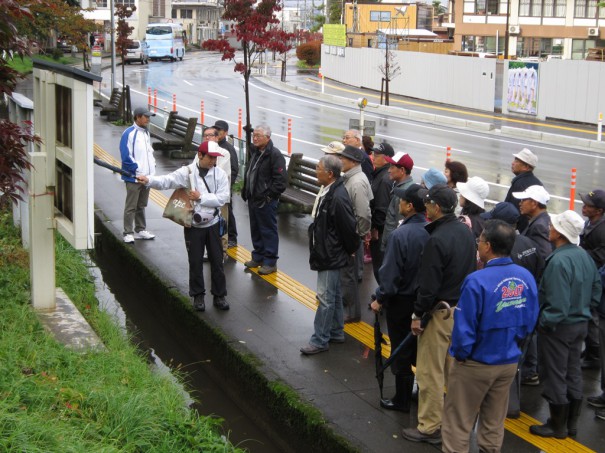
[[188, 83], [281, 113], [216, 94]]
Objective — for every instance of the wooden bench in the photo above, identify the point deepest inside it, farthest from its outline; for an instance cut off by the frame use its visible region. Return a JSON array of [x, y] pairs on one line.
[[302, 186], [177, 139], [113, 109]]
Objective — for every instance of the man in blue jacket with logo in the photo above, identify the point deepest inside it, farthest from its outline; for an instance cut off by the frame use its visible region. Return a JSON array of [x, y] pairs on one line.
[[497, 310]]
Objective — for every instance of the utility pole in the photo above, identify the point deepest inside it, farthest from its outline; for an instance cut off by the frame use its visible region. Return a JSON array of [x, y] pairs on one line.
[[112, 11]]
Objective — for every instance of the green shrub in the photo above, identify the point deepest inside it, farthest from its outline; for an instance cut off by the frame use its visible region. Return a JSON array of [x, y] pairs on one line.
[[309, 52], [57, 54]]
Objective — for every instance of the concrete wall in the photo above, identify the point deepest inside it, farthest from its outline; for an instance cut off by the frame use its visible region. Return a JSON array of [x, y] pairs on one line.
[[571, 90]]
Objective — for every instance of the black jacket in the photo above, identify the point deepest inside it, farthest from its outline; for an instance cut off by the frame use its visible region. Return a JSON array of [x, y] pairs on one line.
[[519, 183], [367, 166], [333, 236], [234, 159], [448, 257], [381, 189], [266, 175], [593, 241], [525, 253], [537, 231]]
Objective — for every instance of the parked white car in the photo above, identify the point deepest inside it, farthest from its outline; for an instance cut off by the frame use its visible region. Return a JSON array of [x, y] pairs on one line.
[[137, 51]]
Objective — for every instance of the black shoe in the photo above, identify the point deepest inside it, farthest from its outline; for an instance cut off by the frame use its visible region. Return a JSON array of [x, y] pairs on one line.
[[556, 425], [575, 408], [220, 303], [390, 405], [231, 244], [600, 413], [198, 303], [533, 380], [596, 401], [251, 264]]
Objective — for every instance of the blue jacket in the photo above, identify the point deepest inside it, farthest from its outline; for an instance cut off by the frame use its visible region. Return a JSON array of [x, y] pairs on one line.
[[497, 309], [399, 270]]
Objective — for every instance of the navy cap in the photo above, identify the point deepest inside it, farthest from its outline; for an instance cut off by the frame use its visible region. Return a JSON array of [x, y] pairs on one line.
[[411, 194], [441, 195], [222, 125], [384, 149], [355, 154], [595, 198], [505, 211]]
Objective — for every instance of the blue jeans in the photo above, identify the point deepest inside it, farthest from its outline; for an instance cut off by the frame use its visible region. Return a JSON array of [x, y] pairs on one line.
[[329, 318]]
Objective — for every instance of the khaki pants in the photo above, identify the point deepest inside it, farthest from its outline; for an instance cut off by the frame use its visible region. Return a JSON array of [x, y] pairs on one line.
[[431, 370], [476, 389]]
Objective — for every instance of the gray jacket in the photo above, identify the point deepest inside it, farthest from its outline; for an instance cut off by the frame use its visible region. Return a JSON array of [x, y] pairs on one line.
[[359, 190]]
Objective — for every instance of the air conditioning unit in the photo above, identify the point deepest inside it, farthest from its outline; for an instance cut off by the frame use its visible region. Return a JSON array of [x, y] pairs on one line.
[[593, 31], [514, 30]]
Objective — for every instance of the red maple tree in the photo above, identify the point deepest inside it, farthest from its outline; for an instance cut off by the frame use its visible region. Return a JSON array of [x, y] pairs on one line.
[[255, 26]]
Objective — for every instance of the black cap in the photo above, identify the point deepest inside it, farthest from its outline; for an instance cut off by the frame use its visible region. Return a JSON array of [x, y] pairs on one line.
[[412, 195], [222, 125], [595, 198], [505, 211], [355, 154], [441, 195], [385, 149]]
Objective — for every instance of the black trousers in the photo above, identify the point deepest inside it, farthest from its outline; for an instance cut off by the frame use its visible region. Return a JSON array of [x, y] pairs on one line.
[[196, 240], [399, 319], [231, 225]]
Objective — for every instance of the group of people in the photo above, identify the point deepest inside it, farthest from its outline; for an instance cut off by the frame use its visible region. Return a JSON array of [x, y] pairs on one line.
[[485, 293], [209, 180]]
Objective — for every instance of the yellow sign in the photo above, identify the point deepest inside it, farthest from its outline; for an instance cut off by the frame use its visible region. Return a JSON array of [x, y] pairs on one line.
[[335, 35]]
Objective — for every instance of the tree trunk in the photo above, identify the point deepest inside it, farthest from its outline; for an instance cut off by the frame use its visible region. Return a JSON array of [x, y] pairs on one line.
[[283, 69]]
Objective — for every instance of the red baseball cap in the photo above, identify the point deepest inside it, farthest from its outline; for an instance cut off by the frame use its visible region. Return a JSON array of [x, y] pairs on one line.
[[210, 148]]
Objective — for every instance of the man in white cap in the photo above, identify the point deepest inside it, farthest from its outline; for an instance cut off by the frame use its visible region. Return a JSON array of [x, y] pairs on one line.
[[137, 158], [522, 166], [334, 147], [570, 286], [533, 205]]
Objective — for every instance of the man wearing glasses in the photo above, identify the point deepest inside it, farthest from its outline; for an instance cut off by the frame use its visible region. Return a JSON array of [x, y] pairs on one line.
[[264, 182]]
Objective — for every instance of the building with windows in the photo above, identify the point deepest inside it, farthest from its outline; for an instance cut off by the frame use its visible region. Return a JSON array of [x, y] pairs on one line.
[[201, 19], [533, 28]]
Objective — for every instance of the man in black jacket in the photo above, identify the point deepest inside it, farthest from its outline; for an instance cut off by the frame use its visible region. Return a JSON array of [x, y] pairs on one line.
[[522, 166], [332, 239], [381, 189], [448, 257], [264, 182], [223, 128]]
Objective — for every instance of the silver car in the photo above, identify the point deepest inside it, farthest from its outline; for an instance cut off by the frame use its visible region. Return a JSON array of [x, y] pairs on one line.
[[137, 51]]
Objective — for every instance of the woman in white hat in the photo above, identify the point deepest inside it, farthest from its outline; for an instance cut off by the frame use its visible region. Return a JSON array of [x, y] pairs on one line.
[[472, 200]]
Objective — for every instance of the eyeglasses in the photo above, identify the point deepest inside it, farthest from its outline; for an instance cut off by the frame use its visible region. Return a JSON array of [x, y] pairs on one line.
[[478, 240], [258, 135], [210, 135]]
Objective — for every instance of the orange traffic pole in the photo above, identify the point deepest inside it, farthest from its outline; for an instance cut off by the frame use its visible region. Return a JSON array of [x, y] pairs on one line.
[[155, 101], [239, 124], [572, 190], [148, 96], [174, 102], [202, 113], [289, 136], [448, 153]]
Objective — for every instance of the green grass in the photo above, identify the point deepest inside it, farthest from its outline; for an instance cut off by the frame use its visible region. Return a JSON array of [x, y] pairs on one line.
[[54, 399], [303, 65], [25, 65]]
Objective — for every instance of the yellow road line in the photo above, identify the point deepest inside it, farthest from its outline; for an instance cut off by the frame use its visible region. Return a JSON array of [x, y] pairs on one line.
[[461, 112], [362, 331]]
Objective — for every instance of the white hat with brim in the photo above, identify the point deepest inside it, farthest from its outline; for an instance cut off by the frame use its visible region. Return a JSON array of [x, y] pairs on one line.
[[525, 155], [334, 148], [474, 190], [570, 224], [537, 193]]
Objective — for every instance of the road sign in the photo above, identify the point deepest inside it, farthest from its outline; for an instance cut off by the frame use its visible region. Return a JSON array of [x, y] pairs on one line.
[[369, 127]]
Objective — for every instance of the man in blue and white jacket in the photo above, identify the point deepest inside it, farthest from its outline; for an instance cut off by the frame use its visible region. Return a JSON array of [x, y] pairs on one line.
[[209, 190], [137, 158], [497, 310]]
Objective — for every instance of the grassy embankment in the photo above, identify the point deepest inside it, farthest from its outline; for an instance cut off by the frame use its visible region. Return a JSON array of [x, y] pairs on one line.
[[53, 399], [25, 65]]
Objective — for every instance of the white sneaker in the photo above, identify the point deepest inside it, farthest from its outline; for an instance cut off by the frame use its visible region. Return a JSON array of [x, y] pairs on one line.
[[144, 235], [128, 238]]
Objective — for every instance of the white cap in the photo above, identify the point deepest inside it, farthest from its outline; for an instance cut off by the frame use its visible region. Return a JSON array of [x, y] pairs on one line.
[[474, 190], [536, 192], [525, 155], [335, 147], [570, 224]]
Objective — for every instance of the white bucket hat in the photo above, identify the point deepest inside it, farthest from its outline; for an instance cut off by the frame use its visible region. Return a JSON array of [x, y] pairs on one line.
[[570, 224], [525, 155], [537, 193], [474, 190]]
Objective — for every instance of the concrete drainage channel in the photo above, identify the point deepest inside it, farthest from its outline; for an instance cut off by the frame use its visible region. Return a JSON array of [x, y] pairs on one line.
[[261, 414]]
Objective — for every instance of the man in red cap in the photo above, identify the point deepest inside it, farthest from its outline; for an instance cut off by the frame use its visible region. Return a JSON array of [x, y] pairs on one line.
[[209, 190], [400, 173]]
